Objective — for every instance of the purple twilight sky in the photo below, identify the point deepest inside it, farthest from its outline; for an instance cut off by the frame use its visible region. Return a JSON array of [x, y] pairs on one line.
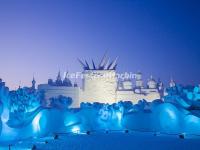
[[41, 37]]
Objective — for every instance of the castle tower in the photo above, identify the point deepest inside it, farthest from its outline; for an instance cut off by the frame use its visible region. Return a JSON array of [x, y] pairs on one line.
[[151, 84], [97, 87], [100, 83], [172, 83], [138, 80], [127, 84]]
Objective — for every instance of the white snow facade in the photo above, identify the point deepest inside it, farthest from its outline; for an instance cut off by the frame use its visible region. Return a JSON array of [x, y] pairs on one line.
[[100, 84]]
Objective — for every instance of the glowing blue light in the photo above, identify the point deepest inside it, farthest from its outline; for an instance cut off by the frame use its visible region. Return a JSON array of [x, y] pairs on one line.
[[171, 113], [36, 123], [196, 90], [190, 95], [75, 129], [193, 119], [119, 116], [5, 115], [197, 96]]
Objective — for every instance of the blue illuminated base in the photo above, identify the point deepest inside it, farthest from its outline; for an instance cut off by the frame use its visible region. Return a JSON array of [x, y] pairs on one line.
[[177, 114]]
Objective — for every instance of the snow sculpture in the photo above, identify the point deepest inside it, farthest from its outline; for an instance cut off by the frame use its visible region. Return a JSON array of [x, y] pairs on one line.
[[60, 102], [186, 97], [22, 115], [24, 100], [104, 113]]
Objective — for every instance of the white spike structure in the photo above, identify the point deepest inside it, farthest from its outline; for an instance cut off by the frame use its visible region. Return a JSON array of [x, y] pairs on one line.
[[87, 65], [107, 64], [104, 64], [82, 64], [94, 67], [103, 60], [113, 64]]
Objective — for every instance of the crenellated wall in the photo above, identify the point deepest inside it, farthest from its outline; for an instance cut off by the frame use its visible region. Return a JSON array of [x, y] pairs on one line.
[[100, 86]]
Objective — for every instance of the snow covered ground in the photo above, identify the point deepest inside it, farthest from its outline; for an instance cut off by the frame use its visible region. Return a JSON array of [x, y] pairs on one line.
[[114, 140]]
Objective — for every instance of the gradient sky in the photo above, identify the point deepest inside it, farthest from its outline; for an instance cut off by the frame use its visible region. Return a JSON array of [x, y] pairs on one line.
[[40, 37]]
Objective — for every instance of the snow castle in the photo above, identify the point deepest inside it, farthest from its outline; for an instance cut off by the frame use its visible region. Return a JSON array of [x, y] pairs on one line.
[[100, 84]]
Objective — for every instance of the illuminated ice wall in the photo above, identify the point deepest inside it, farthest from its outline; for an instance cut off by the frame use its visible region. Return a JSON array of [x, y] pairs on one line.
[[178, 112]]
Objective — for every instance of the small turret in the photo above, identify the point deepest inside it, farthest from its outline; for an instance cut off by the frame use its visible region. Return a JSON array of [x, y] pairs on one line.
[[50, 82], [151, 84], [172, 83], [19, 87], [138, 80], [127, 84], [67, 82], [33, 83], [59, 80]]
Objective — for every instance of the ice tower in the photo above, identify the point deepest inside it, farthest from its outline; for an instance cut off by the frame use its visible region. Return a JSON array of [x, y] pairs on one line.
[[99, 82]]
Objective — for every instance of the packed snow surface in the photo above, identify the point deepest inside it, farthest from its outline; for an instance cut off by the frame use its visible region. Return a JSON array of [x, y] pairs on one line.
[[108, 141]]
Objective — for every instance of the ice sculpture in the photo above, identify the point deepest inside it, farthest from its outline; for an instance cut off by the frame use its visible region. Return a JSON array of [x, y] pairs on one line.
[[60, 102], [22, 115]]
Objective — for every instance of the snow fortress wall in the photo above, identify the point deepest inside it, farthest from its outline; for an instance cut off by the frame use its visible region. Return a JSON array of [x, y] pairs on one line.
[[99, 86], [55, 91]]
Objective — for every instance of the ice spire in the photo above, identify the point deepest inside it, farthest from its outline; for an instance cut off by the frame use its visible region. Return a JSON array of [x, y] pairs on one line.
[[59, 79], [33, 83], [107, 64], [59, 76], [103, 65], [66, 81], [87, 65], [113, 65], [103, 61], [172, 83], [82, 64], [94, 67]]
